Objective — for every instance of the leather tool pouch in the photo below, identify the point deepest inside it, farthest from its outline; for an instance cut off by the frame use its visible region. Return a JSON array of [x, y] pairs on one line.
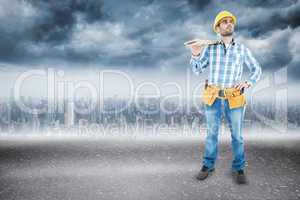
[[236, 99], [209, 95]]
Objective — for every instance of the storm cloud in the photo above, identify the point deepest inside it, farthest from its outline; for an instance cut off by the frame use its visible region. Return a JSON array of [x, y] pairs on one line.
[[141, 33]]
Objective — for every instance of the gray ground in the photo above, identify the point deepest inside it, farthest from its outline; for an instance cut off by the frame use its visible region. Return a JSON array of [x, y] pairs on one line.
[[97, 168]]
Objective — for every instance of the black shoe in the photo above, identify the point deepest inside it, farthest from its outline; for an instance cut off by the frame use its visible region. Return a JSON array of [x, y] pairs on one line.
[[204, 172], [240, 177]]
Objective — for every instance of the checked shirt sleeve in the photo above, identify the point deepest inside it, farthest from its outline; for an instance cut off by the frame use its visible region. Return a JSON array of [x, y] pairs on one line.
[[254, 67], [200, 62]]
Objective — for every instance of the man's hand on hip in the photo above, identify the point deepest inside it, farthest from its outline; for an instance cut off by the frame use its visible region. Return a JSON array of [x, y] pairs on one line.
[[240, 86]]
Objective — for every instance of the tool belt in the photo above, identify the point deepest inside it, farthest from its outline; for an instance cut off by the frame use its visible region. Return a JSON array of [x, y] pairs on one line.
[[235, 97]]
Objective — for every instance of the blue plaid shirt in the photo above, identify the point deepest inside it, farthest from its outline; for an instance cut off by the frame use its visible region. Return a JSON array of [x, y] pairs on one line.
[[226, 64]]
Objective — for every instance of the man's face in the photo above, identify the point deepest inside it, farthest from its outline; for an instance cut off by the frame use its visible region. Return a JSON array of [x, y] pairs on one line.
[[226, 26]]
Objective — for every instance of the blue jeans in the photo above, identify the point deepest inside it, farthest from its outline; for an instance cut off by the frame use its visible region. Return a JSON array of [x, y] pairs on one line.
[[234, 118]]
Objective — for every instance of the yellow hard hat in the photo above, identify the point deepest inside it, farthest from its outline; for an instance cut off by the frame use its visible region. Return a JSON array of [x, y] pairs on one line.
[[221, 15]]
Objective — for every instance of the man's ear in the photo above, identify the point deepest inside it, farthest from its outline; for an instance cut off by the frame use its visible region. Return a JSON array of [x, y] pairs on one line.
[[218, 28]]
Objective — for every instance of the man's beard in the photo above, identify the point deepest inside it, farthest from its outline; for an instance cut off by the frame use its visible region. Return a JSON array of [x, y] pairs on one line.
[[225, 34]]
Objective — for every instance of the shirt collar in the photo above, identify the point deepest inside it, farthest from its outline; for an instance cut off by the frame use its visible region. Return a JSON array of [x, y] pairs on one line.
[[232, 41]]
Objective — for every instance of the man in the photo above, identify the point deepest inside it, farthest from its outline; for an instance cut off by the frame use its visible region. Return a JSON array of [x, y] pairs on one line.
[[224, 91]]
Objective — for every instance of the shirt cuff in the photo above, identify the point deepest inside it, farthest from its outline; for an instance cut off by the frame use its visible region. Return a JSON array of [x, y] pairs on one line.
[[195, 57]]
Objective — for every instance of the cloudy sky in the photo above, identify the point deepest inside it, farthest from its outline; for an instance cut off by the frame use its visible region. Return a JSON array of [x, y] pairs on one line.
[[141, 34]]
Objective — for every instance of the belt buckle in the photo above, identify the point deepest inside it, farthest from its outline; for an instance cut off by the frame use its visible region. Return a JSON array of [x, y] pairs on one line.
[[221, 93]]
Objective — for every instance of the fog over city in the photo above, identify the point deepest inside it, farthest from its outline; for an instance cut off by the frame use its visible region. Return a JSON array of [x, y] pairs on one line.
[[137, 46]]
